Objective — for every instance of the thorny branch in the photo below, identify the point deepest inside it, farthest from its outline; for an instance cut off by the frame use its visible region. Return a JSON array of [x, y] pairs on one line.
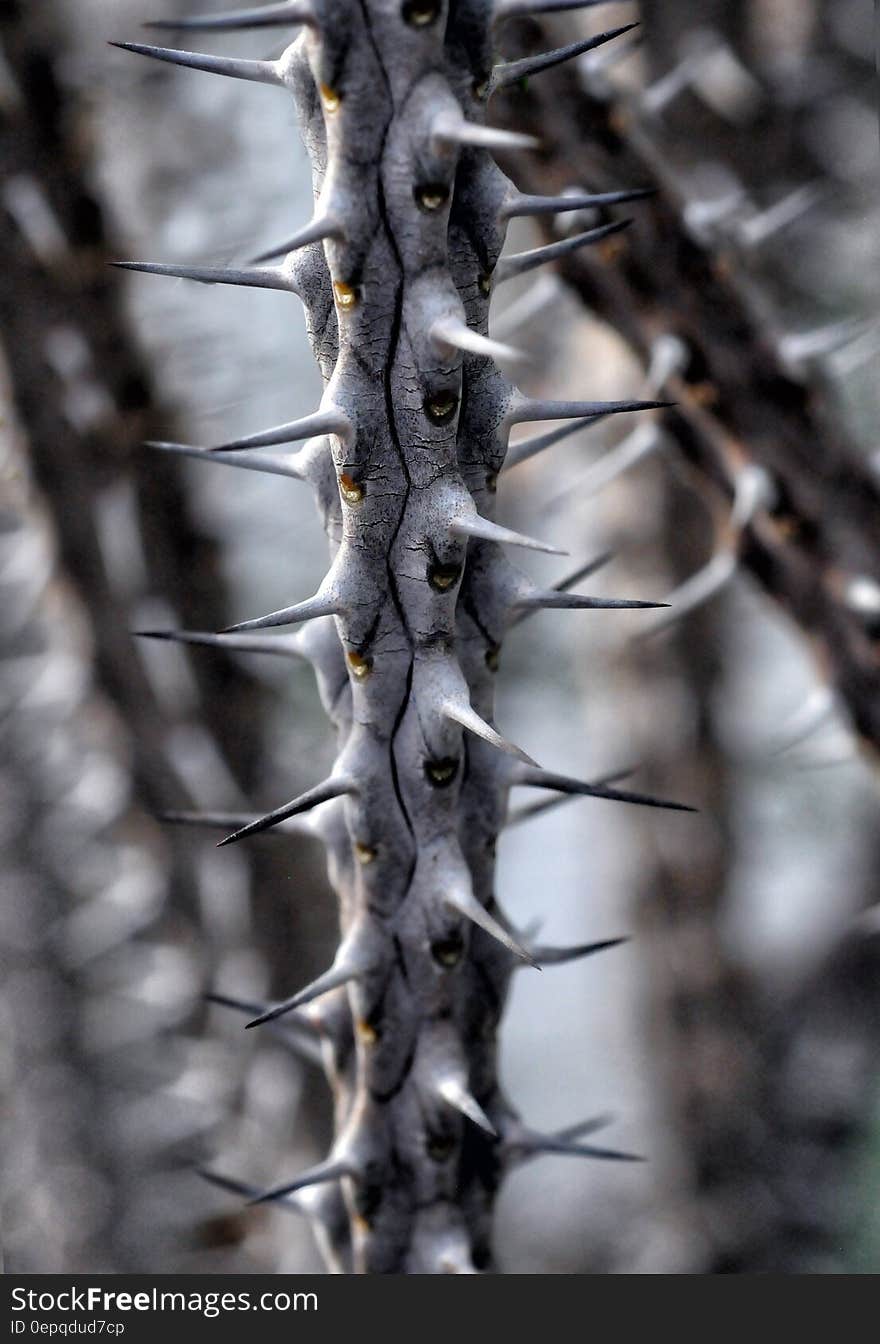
[[743, 398], [83, 387]]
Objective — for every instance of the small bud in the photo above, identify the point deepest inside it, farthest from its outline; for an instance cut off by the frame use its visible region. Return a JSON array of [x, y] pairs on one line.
[[346, 295], [364, 853], [485, 283], [367, 1032], [492, 482], [443, 577], [419, 13], [493, 658], [352, 492], [441, 408], [330, 98], [360, 667], [431, 196], [447, 952], [441, 773]]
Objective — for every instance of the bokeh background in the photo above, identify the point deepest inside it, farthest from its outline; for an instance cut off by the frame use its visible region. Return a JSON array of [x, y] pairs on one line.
[[734, 1039]]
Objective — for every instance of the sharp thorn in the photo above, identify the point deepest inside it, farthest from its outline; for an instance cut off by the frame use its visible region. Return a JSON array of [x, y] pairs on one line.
[[322, 604], [543, 779], [260, 72], [334, 787], [520, 205], [314, 232], [450, 333], [318, 1175], [584, 572], [582, 1128], [597, 62], [464, 714], [452, 130], [254, 277], [558, 956], [272, 464], [475, 526], [530, 810], [297, 1034], [580, 601], [307, 427], [455, 1094], [249, 1192], [533, 408], [464, 901], [518, 1140], [545, 1143], [332, 979], [521, 1142], [283, 644], [510, 72], [522, 262], [229, 1184]]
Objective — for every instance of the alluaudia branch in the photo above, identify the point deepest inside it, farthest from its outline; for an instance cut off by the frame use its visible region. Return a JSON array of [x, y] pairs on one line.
[[395, 272]]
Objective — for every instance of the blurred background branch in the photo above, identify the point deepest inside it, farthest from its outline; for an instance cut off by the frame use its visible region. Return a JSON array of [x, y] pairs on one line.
[[114, 539], [749, 284], [723, 124]]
